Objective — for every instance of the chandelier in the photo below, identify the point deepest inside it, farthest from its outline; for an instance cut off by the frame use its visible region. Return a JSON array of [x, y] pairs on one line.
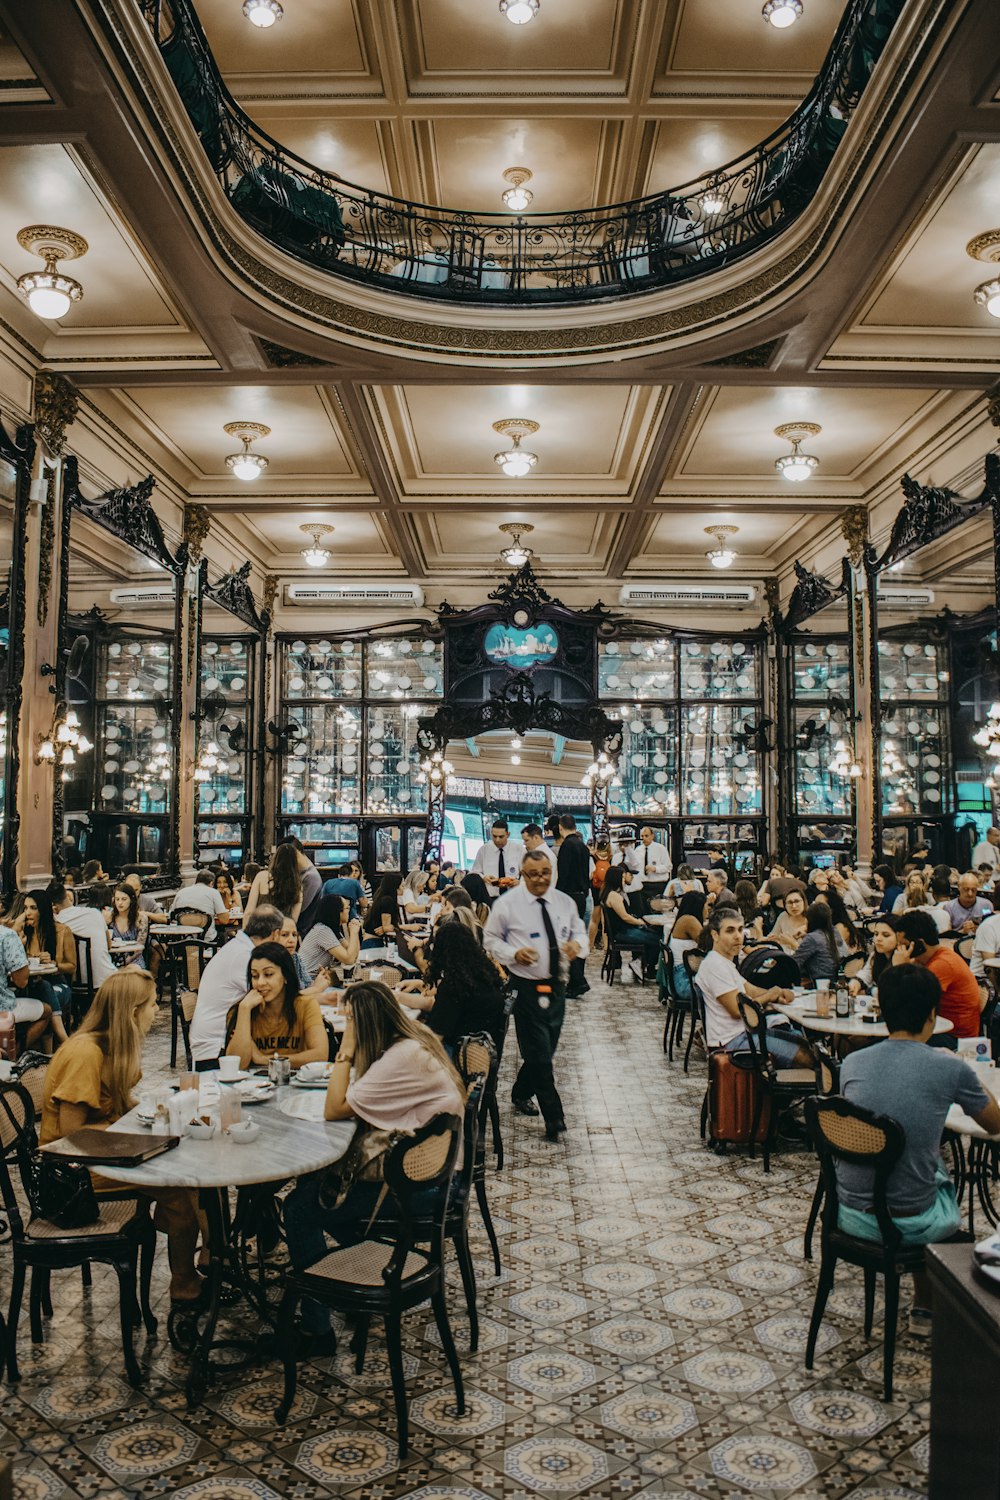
[[988, 736], [712, 200], [435, 769], [246, 465], [209, 760], [263, 13], [602, 772], [516, 555], [721, 555], [519, 12], [517, 197], [49, 293], [317, 555], [984, 247], [843, 761], [891, 763], [797, 466], [64, 742], [782, 13], [516, 461]]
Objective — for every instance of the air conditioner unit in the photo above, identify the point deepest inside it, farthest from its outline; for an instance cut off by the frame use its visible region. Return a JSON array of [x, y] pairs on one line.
[[355, 593], [904, 596], [688, 595], [152, 593]]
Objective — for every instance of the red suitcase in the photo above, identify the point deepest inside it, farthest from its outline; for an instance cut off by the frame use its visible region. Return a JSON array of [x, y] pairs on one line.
[[732, 1101]]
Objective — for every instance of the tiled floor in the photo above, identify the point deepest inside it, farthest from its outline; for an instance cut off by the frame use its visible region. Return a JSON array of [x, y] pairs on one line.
[[646, 1338]]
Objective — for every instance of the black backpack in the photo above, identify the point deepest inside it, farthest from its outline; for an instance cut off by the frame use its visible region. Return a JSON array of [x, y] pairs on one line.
[[769, 967]]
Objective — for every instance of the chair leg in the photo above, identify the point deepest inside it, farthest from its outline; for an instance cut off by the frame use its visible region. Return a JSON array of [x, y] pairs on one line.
[[286, 1350], [468, 1271], [869, 1300], [13, 1317], [146, 1253], [817, 1203], [891, 1318], [448, 1345], [823, 1291], [126, 1310], [394, 1348], [704, 1115], [687, 1050], [173, 1030], [359, 1343], [35, 1305], [494, 1113], [667, 1034], [46, 1292], [86, 1278], [491, 1234]]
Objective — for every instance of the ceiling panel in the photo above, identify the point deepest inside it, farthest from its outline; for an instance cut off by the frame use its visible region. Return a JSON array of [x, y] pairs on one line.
[[730, 35], [351, 148], [685, 149], [931, 281], [355, 533], [473, 539], [734, 435], [47, 185], [471, 155], [312, 36], [680, 533], [304, 438], [453, 36]]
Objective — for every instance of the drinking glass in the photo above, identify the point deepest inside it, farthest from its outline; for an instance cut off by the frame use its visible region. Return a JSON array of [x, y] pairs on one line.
[[230, 1109], [188, 1081]]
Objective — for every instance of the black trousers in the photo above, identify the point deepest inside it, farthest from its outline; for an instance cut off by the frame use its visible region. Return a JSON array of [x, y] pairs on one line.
[[538, 1028], [577, 977]]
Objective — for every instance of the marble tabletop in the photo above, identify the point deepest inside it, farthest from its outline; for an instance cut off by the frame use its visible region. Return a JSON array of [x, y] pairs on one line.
[[962, 1124], [802, 1011], [126, 947], [285, 1148], [372, 957]]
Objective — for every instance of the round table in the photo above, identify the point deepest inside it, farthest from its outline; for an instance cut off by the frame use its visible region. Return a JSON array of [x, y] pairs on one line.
[[122, 954], [284, 1149], [973, 1162], [39, 970], [802, 1011], [175, 929]]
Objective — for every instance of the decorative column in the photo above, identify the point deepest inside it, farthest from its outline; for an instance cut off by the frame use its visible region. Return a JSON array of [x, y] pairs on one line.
[[186, 699], [861, 634], [993, 489], [776, 790], [43, 539], [267, 791]]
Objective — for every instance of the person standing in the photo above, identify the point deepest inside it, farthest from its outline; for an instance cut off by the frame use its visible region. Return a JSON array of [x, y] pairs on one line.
[[533, 838], [535, 931], [650, 862], [573, 878], [987, 852], [499, 861], [312, 884]]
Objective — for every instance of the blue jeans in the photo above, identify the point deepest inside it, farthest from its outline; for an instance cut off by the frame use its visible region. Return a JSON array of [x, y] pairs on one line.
[[54, 993], [783, 1043], [307, 1223]]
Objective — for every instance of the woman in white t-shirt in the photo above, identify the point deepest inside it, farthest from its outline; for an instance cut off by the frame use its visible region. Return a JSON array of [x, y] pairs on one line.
[[391, 1073]]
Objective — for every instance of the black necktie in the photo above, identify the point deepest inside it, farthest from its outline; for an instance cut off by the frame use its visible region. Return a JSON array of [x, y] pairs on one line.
[[550, 934], [645, 863], [501, 872]]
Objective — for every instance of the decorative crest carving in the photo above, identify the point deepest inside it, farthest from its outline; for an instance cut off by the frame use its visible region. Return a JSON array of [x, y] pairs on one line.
[[521, 590], [518, 706], [811, 594], [993, 408], [128, 515], [233, 593], [56, 404], [270, 592], [197, 525], [930, 512], [854, 529]]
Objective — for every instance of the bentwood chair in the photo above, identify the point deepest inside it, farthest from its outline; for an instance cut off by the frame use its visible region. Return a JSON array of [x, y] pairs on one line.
[[121, 1235], [692, 963], [844, 1132], [379, 973], [82, 987], [385, 1277], [477, 1057], [678, 1007], [784, 1087], [183, 967]]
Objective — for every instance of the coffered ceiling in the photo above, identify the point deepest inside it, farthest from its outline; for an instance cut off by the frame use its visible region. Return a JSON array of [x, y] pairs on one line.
[[881, 344]]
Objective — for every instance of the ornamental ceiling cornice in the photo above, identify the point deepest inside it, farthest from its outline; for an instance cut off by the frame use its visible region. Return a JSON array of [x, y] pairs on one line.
[[363, 326]]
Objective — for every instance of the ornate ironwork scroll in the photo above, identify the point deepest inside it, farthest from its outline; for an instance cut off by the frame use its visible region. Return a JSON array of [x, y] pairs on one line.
[[454, 255], [233, 594], [19, 452], [55, 406], [929, 513], [813, 593]]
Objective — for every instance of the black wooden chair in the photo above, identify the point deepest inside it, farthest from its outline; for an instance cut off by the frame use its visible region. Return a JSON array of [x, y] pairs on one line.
[[477, 1056], [692, 963], [385, 1278], [678, 1008], [845, 1132], [183, 965], [122, 1234], [82, 985], [784, 1087]]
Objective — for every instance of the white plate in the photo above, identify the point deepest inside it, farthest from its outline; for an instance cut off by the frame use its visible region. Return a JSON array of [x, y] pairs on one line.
[[252, 1093], [309, 1083]]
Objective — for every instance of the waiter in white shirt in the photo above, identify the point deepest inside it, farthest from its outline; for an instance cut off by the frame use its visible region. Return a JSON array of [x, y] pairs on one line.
[[649, 861], [988, 852], [499, 862], [535, 931], [533, 838]]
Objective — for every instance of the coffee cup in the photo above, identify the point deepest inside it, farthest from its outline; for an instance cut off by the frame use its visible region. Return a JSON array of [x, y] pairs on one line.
[[310, 1071], [229, 1067]]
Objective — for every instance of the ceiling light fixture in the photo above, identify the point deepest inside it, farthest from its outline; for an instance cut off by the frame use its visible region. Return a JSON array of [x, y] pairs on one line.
[[316, 556], [49, 293], [516, 462], [246, 465], [985, 247], [515, 556], [782, 13], [517, 197], [519, 12], [711, 200], [796, 466], [263, 13], [721, 555]]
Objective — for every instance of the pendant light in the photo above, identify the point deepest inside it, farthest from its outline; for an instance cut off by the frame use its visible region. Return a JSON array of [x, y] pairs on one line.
[[516, 555], [721, 555], [516, 461], [49, 293], [317, 556], [246, 465], [795, 466]]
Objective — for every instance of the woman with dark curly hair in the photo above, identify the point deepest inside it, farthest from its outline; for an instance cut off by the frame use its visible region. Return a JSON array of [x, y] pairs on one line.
[[463, 991]]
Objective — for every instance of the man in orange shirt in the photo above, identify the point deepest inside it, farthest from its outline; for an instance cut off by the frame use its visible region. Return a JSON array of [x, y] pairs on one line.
[[918, 942]]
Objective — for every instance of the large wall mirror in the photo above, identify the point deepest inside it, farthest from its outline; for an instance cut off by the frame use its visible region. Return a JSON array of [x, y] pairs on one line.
[[14, 480], [120, 686]]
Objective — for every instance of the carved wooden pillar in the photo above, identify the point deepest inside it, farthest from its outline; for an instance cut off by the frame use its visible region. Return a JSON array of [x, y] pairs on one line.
[[775, 773], [196, 525], [863, 627], [39, 785], [266, 800]]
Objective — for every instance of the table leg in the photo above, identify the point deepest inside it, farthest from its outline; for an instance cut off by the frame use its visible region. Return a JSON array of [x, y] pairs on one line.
[[215, 1206]]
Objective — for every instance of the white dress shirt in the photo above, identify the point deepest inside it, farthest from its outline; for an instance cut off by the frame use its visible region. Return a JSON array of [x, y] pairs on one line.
[[223, 985], [987, 945], [516, 922], [203, 898], [88, 922], [652, 861], [487, 861], [550, 854], [985, 854]]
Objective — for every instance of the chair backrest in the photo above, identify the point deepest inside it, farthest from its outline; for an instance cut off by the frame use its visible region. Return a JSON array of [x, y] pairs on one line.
[[418, 1163], [755, 1025], [382, 973], [190, 958], [842, 1131], [30, 1072], [965, 945], [199, 919], [476, 1057], [18, 1143], [692, 963]]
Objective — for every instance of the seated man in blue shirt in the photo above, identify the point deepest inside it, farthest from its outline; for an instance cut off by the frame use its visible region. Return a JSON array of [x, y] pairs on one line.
[[915, 1085], [970, 907], [346, 883]]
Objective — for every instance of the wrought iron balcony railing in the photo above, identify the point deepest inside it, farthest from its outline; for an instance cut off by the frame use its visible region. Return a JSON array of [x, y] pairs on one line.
[[501, 258]]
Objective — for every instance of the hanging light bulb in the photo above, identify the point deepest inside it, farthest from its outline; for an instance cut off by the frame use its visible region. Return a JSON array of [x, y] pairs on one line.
[[246, 465], [721, 555], [796, 466], [316, 555], [517, 197], [782, 13], [519, 12], [49, 293], [516, 461], [516, 555], [263, 13], [988, 296]]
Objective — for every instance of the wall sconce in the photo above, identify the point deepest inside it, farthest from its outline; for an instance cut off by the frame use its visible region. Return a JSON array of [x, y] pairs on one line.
[[63, 743]]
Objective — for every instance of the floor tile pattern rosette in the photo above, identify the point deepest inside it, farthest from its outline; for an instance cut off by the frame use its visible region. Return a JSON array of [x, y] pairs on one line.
[[646, 1337]]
